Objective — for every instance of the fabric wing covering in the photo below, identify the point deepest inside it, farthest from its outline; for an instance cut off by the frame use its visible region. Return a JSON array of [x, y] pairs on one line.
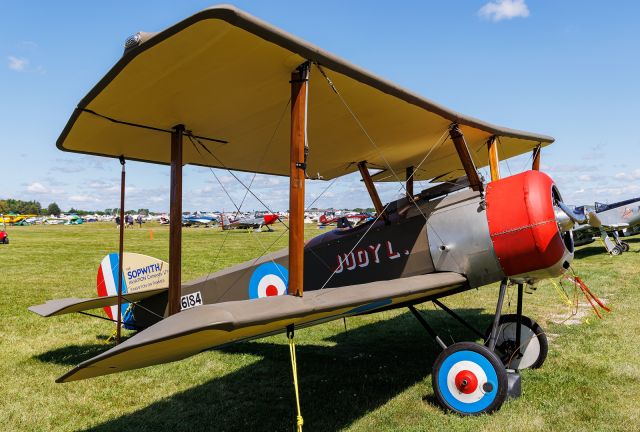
[[71, 305], [225, 75], [209, 326]]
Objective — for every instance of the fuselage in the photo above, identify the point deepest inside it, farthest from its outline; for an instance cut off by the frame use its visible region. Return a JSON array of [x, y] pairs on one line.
[[510, 231]]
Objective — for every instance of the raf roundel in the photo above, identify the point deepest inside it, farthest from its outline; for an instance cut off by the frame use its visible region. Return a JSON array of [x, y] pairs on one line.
[[268, 280], [469, 379]]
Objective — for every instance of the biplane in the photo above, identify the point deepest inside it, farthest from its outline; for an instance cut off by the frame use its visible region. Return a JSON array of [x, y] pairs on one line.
[[14, 219], [226, 90]]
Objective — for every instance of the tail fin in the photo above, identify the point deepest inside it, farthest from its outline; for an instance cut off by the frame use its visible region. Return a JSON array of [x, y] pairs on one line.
[[140, 273]]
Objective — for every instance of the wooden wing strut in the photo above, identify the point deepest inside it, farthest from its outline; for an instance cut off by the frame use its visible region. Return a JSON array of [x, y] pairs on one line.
[[465, 157], [409, 184], [175, 221], [536, 158], [297, 169], [494, 160], [371, 188]]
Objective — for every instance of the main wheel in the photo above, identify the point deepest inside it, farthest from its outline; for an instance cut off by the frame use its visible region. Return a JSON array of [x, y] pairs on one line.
[[534, 345], [469, 379], [617, 250], [625, 246]]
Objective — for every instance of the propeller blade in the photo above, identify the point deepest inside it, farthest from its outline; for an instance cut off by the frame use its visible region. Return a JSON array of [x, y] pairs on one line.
[[579, 218], [594, 220]]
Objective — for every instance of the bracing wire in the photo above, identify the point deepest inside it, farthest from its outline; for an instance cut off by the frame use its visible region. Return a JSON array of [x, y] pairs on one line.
[[381, 154], [266, 150], [506, 161], [268, 146], [356, 245], [264, 251], [237, 178]]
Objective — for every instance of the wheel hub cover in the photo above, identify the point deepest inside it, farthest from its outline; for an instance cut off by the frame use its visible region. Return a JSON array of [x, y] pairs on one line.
[[466, 381]]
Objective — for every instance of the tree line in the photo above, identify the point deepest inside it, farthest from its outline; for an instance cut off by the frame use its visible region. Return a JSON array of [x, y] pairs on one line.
[[10, 205]]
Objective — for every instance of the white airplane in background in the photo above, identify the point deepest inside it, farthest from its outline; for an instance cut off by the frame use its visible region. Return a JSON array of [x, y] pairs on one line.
[[618, 219]]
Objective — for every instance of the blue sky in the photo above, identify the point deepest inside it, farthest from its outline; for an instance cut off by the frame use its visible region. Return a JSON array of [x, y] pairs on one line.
[[569, 69]]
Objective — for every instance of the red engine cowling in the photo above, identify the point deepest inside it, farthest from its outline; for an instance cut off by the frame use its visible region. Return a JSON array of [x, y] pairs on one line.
[[523, 227]]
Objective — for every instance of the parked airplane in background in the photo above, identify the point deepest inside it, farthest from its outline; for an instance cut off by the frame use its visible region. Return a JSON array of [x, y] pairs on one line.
[[343, 220], [13, 219], [198, 218], [255, 221], [617, 219]]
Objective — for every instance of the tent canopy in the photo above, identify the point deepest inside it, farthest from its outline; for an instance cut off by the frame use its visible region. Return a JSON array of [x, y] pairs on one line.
[[225, 75]]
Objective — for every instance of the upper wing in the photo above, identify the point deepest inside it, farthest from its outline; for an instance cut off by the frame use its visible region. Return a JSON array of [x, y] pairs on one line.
[[73, 304], [225, 75], [204, 327]]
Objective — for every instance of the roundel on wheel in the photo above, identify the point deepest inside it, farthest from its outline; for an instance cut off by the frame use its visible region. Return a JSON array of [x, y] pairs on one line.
[[268, 280], [469, 382]]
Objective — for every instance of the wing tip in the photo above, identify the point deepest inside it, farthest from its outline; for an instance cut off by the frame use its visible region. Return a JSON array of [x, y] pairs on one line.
[[39, 310]]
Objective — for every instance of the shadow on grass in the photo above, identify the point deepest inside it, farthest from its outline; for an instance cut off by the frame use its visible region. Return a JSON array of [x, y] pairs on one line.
[[366, 368], [598, 248], [590, 251], [71, 355]]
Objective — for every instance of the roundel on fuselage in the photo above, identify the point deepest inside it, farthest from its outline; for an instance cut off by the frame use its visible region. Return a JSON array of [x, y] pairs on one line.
[[268, 280]]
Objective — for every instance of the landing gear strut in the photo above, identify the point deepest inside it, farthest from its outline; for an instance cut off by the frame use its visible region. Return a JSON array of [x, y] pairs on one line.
[[615, 247], [470, 378], [623, 245], [519, 341]]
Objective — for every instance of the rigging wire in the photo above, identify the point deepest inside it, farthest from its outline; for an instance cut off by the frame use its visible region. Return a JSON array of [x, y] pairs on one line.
[[529, 159], [275, 131], [268, 146], [264, 251], [375, 146], [506, 161], [356, 245], [236, 177]]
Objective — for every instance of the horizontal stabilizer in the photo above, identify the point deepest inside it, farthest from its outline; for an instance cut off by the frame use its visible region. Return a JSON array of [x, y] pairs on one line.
[[195, 330], [73, 304]]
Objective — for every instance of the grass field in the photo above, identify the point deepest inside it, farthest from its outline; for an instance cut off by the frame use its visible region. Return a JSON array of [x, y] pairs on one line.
[[373, 376]]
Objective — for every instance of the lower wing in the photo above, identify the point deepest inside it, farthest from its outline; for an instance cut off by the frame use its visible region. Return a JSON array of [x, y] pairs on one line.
[[195, 330]]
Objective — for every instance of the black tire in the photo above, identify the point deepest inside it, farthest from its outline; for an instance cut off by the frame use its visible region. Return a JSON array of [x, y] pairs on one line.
[[617, 250], [533, 340], [625, 246], [459, 384]]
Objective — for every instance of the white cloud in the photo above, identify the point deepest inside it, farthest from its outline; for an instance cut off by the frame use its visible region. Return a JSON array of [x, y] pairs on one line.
[[83, 199], [634, 175], [36, 187], [29, 45], [17, 64], [499, 10], [585, 177]]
